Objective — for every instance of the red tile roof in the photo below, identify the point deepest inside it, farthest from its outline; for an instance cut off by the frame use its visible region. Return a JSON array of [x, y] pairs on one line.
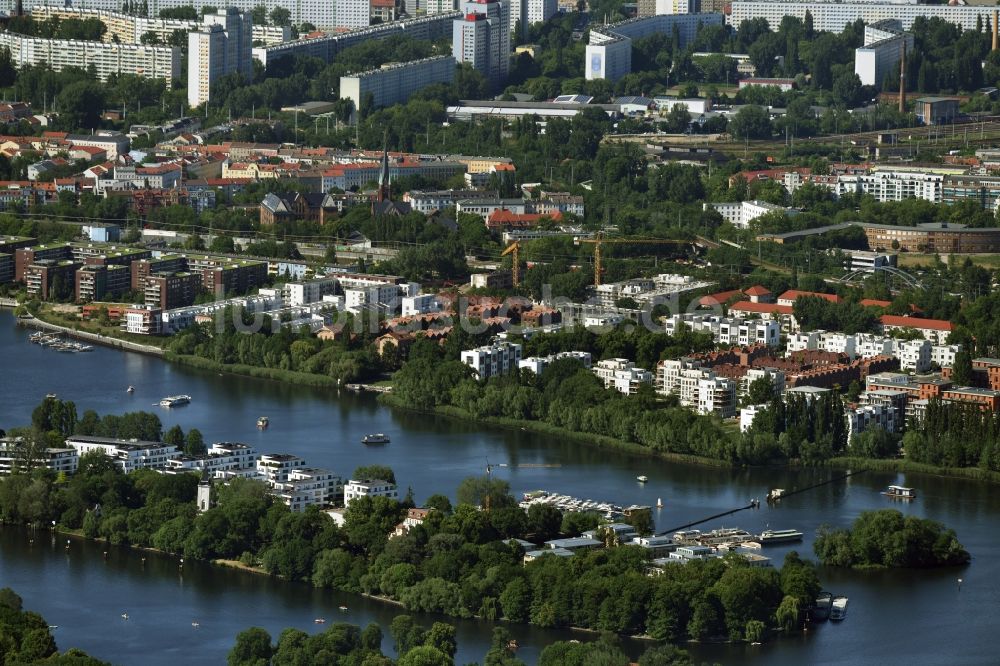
[[761, 308], [916, 322], [719, 298], [874, 303], [795, 294], [757, 290]]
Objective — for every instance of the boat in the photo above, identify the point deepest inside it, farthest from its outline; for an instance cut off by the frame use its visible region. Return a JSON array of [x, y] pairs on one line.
[[195, 624], [724, 536], [659, 503], [768, 537], [50, 396], [375, 438], [838, 609], [263, 422], [642, 478], [900, 492], [320, 620], [820, 610], [175, 401], [775, 494], [130, 389], [343, 608]]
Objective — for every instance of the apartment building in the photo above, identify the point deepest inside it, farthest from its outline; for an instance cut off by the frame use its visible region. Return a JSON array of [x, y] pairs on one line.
[[221, 46], [537, 364], [306, 486], [14, 454], [25, 256], [152, 62], [492, 360], [865, 417], [834, 15], [524, 13], [622, 375], [773, 375], [395, 83], [481, 37], [717, 395], [356, 488], [128, 454], [884, 45], [221, 457], [141, 320], [609, 51], [50, 278], [95, 282], [741, 213], [167, 291], [728, 330]]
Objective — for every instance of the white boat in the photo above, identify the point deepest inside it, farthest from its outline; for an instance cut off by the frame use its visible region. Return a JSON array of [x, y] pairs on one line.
[[775, 494], [175, 401], [768, 537], [130, 389], [642, 478], [343, 608], [900, 492], [376, 438], [263, 422], [838, 610]]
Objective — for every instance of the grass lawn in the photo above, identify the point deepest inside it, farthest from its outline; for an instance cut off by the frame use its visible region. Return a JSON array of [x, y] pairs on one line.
[[911, 260]]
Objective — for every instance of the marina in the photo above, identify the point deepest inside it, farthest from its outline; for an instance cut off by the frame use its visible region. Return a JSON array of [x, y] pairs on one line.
[[567, 503], [57, 343]]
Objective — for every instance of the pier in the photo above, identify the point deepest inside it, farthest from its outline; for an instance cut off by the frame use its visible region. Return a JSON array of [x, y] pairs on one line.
[[368, 388], [34, 322]]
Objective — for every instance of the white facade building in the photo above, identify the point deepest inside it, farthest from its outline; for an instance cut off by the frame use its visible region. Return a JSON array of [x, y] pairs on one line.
[[748, 414], [221, 46], [833, 16], [717, 395], [870, 416], [220, 458], [622, 375], [914, 355], [529, 12], [609, 51], [537, 364], [13, 456], [354, 489], [274, 468], [488, 361], [728, 330], [420, 304], [107, 58], [885, 43], [481, 37], [306, 486], [352, 13], [394, 83], [944, 355], [775, 376], [741, 213], [129, 455]]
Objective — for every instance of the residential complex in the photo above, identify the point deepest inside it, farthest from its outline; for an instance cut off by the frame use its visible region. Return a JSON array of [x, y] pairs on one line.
[[107, 58], [396, 82], [221, 46], [528, 12], [492, 360], [741, 213], [834, 15], [622, 375], [885, 44], [609, 51]]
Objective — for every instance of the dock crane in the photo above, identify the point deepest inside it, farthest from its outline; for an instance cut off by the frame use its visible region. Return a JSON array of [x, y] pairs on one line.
[[514, 249], [600, 240]]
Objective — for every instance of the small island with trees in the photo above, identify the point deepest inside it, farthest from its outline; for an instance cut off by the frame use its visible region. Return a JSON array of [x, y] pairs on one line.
[[888, 539]]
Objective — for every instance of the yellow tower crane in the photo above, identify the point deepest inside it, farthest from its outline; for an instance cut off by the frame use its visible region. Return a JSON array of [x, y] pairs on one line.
[[515, 249], [600, 240]]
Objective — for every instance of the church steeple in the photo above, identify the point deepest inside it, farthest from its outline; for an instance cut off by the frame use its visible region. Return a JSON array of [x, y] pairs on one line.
[[384, 182]]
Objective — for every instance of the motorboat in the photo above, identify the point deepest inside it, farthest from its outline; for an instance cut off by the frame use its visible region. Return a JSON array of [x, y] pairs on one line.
[[175, 401], [130, 389], [320, 620], [820, 610], [263, 422], [768, 537], [775, 494], [642, 478], [375, 438]]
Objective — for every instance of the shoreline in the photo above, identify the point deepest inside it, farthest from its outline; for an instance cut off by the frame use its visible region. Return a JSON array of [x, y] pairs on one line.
[[32, 321]]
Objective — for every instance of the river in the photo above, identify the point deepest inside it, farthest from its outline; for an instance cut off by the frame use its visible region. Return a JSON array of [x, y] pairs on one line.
[[895, 617]]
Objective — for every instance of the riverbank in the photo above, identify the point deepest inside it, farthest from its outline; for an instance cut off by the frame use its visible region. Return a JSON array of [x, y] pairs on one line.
[[274, 374], [96, 338], [542, 428], [908, 466]]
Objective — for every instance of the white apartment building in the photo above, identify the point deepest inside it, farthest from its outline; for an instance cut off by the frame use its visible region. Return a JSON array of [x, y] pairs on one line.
[[717, 395], [352, 13], [801, 341], [690, 385], [394, 83], [775, 376], [221, 46], [833, 16], [741, 213], [438, 7], [748, 414], [529, 12], [870, 416], [481, 37], [129, 455], [354, 489], [274, 468], [944, 355], [307, 486], [152, 62], [492, 360], [622, 375], [420, 304], [914, 355], [668, 374], [884, 45], [537, 364], [609, 51], [895, 185], [869, 345], [728, 330], [220, 458], [13, 456]]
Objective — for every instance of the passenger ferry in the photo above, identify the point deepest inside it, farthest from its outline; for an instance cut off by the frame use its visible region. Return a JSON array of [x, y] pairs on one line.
[[838, 610], [175, 401], [376, 438], [779, 536], [900, 492]]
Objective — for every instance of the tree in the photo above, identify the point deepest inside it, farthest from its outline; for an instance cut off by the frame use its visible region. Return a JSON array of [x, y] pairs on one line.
[[751, 122], [678, 118], [175, 437], [372, 472], [252, 648], [281, 16], [961, 371], [477, 490], [425, 655], [194, 444], [80, 105], [761, 391], [259, 15], [442, 637]]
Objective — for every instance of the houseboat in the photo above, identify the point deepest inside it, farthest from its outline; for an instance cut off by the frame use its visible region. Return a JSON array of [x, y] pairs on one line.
[[900, 492], [838, 609], [175, 400], [820, 610], [768, 537], [375, 438]]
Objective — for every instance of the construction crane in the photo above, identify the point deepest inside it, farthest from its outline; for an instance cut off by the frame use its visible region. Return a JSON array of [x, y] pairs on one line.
[[515, 249], [600, 240]]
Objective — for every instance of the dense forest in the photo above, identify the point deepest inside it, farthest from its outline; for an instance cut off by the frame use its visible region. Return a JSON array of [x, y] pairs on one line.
[[886, 538]]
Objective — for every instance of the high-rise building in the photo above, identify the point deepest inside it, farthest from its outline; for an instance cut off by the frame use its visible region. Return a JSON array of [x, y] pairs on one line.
[[395, 83], [481, 37], [221, 46], [885, 44], [439, 6], [529, 12], [353, 13]]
